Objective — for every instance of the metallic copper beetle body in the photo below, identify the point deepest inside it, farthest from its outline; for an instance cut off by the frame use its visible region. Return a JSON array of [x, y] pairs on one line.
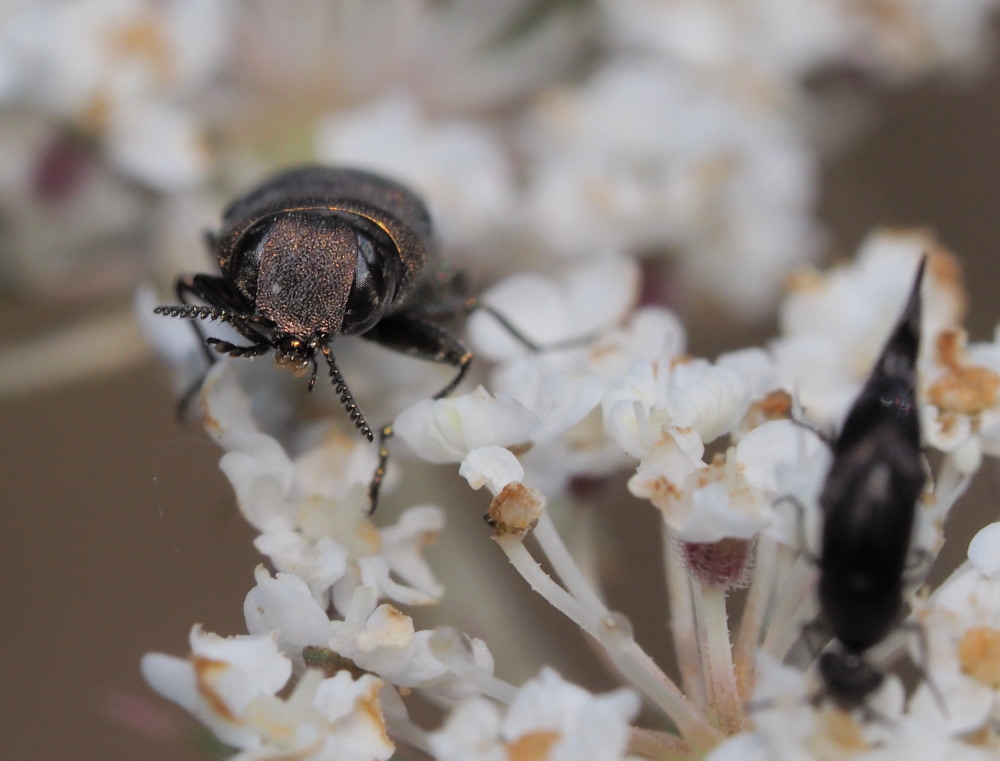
[[315, 253]]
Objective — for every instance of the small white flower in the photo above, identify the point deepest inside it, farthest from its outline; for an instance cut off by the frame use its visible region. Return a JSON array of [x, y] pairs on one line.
[[335, 719], [221, 679], [446, 430], [584, 726], [962, 628], [633, 409], [548, 719], [402, 545], [962, 416], [285, 604], [471, 732], [712, 399], [789, 727], [383, 640]]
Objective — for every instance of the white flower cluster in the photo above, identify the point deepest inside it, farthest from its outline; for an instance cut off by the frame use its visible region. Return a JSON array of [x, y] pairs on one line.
[[720, 448], [684, 134]]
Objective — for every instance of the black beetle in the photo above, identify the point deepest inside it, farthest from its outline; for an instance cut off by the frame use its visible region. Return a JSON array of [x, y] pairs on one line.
[[318, 252], [868, 504]]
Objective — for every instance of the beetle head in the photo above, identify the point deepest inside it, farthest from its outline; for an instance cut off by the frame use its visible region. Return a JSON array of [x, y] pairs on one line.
[[848, 677], [294, 353]]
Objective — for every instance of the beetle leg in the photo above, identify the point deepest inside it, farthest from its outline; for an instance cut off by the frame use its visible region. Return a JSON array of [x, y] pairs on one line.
[[383, 460], [199, 287], [312, 376], [425, 340], [407, 334], [224, 303]]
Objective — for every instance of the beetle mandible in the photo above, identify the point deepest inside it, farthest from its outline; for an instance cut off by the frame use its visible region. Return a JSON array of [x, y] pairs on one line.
[[319, 252]]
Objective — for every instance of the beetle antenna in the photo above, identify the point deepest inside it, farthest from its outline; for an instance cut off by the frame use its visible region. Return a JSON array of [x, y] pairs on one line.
[[346, 398], [194, 312]]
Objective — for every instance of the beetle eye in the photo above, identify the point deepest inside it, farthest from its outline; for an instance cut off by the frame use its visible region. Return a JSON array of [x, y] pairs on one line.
[[378, 271]]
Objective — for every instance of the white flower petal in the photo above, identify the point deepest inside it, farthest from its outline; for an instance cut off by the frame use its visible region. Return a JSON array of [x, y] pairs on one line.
[[285, 604], [984, 551], [493, 467], [712, 399]]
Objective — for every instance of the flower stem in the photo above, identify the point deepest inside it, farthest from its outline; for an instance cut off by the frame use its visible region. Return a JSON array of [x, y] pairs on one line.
[[796, 606], [446, 644], [717, 655], [565, 566], [752, 621], [682, 621], [614, 633]]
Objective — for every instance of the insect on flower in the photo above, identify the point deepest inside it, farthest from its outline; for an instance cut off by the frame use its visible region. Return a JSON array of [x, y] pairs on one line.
[[869, 504], [315, 253]]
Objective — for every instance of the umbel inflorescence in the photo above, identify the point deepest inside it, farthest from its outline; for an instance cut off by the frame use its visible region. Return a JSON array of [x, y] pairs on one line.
[[720, 448]]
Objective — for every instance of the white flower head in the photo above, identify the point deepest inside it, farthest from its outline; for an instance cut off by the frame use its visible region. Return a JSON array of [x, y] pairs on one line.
[[548, 719], [221, 680], [961, 622], [647, 156], [125, 71], [836, 324], [587, 297], [709, 400], [312, 510], [231, 685], [457, 166], [384, 641]]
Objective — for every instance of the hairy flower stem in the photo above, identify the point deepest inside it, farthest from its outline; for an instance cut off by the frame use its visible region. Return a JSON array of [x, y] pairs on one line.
[[754, 611], [682, 620], [658, 746], [717, 655], [565, 566], [614, 634]]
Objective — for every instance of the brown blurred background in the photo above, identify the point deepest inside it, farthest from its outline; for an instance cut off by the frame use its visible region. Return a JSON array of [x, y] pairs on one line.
[[119, 531]]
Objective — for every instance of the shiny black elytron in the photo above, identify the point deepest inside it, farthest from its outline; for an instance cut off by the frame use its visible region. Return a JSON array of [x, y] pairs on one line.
[[869, 502]]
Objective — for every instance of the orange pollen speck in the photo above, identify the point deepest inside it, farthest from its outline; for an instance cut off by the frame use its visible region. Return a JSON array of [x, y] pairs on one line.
[[534, 746], [965, 390], [979, 654], [144, 39], [370, 705], [776, 405], [205, 669], [840, 727], [515, 510]]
